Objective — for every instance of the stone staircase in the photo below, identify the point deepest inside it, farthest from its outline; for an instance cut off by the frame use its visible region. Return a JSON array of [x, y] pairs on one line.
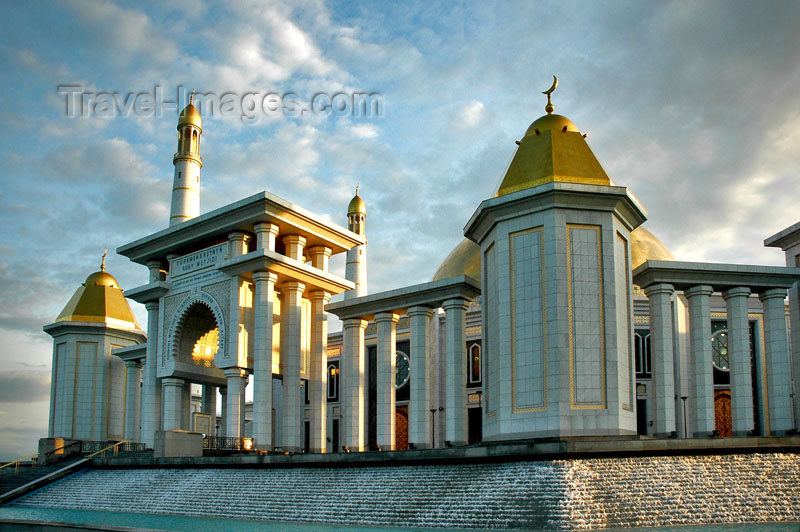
[[9, 480], [552, 494]]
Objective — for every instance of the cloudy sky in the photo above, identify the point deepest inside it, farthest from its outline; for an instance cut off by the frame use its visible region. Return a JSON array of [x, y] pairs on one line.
[[693, 105]]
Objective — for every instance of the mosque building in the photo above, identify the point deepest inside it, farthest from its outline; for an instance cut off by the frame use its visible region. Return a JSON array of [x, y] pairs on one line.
[[558, 316]]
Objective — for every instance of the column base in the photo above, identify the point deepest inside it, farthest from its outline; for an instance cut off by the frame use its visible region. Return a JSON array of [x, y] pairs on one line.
[[318, 451], [448, 443]]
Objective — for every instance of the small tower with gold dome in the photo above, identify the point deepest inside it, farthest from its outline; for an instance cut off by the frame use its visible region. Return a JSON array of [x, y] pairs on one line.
[[88, 384], [186, 182], [555, 247], [356, 267]]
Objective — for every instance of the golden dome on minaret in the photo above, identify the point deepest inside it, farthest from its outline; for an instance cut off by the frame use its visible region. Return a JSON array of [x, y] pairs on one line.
[[190, 114], [357, 205], [100, 300]]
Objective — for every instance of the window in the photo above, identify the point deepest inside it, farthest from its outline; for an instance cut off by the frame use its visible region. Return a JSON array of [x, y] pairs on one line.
[[333, 382], [641, 344], [719, 350], [474, 351], [402, 369]]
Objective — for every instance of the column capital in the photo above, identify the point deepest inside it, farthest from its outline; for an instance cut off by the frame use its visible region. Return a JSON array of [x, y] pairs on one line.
[[386, 316], [456, 304], [319, 250], [172, 381], [420, 311], [699, 290], [240, 236], [265, 276], [319, 295], [235, 372], [288, 286], [659, 288], [351, 323], [151, 306], [266, 227], [773, 293], [133, 364], [294, 239], [737, 291]]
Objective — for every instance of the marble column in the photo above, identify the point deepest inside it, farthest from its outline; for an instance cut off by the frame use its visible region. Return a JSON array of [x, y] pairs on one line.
[[133, 374], [262, 359], [151, 389], [237, 380], [456, 371], [739, 358], [779, 387], [419, 417], [353, 385], [173, 402], [701, 398], [223, 425], [291, 356], [385, 379], [210, 406], [662, 358], [318, 371], [238, 243]]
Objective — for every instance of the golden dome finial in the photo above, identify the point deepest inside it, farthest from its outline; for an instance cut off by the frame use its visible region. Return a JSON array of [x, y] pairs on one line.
[[357, 185], [191, 97], [549, 107], [103, 261]]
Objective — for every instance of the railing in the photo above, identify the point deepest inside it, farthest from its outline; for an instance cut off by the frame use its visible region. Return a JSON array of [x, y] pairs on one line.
[[113, 448], [122, 446], [34, 458], [224, 443]]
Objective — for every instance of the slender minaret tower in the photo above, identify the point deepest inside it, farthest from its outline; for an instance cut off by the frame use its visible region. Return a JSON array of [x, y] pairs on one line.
[[356, 269], [187, 161]]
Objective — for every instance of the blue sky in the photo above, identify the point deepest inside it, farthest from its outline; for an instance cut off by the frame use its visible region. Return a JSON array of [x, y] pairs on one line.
[[693, 105]]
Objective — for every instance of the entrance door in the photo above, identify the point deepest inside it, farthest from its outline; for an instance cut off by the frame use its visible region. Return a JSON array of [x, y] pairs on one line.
[[335, 436], [474, 425], [722, 413], [641, 417]]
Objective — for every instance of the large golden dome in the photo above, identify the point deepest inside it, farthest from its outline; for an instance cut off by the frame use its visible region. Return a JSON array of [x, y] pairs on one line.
[[99, 300], [465, 259]]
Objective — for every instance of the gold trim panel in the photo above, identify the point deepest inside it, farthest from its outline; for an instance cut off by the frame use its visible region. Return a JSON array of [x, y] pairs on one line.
[[512, 302], [572, 403]]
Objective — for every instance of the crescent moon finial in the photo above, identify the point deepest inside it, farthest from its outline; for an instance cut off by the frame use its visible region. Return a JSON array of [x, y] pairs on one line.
[[549, 107]]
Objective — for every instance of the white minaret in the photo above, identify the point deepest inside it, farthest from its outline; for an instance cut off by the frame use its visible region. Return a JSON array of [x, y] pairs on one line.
[[187, 161], [356, 268]]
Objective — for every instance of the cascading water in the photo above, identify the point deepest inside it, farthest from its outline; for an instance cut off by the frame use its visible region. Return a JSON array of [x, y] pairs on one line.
[[557, 494]]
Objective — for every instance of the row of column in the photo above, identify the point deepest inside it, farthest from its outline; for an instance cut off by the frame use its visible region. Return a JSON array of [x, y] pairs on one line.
[[701, 386], [291, 349], [354, 377]]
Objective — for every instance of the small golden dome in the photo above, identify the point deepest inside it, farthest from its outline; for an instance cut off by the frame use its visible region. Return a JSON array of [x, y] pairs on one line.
[[100, 300], [190, 115], [551, 123], [357, 206]]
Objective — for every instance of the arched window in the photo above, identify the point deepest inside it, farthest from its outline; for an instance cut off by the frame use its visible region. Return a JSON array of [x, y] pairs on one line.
[[474, 363], [333, 382]]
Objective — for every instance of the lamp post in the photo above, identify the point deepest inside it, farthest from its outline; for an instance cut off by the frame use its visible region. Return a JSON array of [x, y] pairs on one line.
[[684, 398]]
